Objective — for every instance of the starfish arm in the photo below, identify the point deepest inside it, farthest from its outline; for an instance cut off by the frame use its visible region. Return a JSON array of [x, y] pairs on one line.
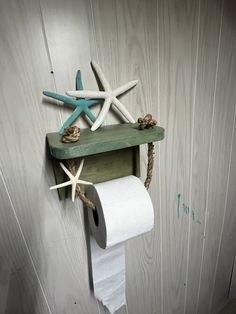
[[85, 182], [91, 102], [124, 88], [101, 117], [71, 119], [101, 76], [123, 110], [63, 98], [87, 94], [73, 192], [90, 114], [70, 175], [61, 185], [79, 169], [79, 84]]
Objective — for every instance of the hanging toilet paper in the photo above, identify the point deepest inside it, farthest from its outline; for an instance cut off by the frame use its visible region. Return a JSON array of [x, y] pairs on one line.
[[123, 210]]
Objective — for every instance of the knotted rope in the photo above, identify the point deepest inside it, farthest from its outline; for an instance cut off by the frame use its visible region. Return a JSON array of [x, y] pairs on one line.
[[71, 134]]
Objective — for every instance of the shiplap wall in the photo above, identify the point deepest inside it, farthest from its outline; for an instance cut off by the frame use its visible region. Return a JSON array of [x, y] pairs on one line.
[[184, 55]]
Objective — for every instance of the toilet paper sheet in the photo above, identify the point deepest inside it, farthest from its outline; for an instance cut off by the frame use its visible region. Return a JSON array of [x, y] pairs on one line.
[[123, 210]]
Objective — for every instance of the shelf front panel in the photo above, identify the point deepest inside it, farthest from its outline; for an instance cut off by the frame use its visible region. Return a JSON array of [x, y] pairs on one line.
[[105, 139]]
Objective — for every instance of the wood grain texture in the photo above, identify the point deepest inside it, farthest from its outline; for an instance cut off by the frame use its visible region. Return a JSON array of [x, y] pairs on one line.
[[227, 246], [171, 47], [67, 31], [106, 139], [52, 230], [100, 168], [203, 102], [232, 288], [220, 154], [128, 28], [20, 288], [178, 25]]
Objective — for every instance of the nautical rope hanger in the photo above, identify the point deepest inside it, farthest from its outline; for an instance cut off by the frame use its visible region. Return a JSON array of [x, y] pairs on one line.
[[87, 202], [144, 123]]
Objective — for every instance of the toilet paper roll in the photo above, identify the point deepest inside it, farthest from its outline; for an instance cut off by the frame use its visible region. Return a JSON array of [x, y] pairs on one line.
[[123, 210]]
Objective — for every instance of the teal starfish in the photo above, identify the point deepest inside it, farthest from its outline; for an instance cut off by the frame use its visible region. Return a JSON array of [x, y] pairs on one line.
[[82, 105]]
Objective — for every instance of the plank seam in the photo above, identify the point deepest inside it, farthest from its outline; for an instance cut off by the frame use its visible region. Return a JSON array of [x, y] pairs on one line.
[[48, 54], [159, 157], [93, 30], [231, 278], [24, 240], [191, 158], [96, 51], [209, 159], [95, 41]]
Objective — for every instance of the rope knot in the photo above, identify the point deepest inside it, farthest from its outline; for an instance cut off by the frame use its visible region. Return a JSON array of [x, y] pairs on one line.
[[146, 122], [71, 134]]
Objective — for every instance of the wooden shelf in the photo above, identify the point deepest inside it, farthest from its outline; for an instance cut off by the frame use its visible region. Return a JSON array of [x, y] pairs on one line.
[[105, 139]]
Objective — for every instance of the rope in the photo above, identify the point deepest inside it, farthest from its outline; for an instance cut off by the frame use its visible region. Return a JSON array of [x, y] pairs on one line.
[[149, 165], [71, 134]]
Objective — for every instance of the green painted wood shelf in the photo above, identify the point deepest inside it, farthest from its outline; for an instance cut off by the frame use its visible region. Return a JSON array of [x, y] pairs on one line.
[[105, 139]]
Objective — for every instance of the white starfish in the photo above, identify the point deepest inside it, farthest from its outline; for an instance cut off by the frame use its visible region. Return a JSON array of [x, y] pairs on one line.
[[74, 180], [109, 95]]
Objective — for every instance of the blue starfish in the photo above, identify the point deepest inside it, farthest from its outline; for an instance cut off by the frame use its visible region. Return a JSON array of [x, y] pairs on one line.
[[82, 105]]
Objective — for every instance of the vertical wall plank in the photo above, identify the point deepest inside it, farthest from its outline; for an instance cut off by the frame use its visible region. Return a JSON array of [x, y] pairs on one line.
[[161, 44], [210, 18], [126, 46], [68, 34], [53, 231], [63, 23], [221, 147], [178, 24], [109, 48], [232, 288], [20, 289], [227, 248], [104, 49]]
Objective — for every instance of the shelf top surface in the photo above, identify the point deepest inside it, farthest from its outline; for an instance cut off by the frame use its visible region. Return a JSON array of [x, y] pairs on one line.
[[104, 139]]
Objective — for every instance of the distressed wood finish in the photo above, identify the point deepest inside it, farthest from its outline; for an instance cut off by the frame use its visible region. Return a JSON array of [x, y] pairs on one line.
[[106, 139], [102, 167]]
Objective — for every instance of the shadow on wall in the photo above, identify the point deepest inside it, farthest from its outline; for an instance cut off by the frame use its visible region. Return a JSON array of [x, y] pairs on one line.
[[229, 11], [20, 290], [87, 236], [19, 287], [230, 308]]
